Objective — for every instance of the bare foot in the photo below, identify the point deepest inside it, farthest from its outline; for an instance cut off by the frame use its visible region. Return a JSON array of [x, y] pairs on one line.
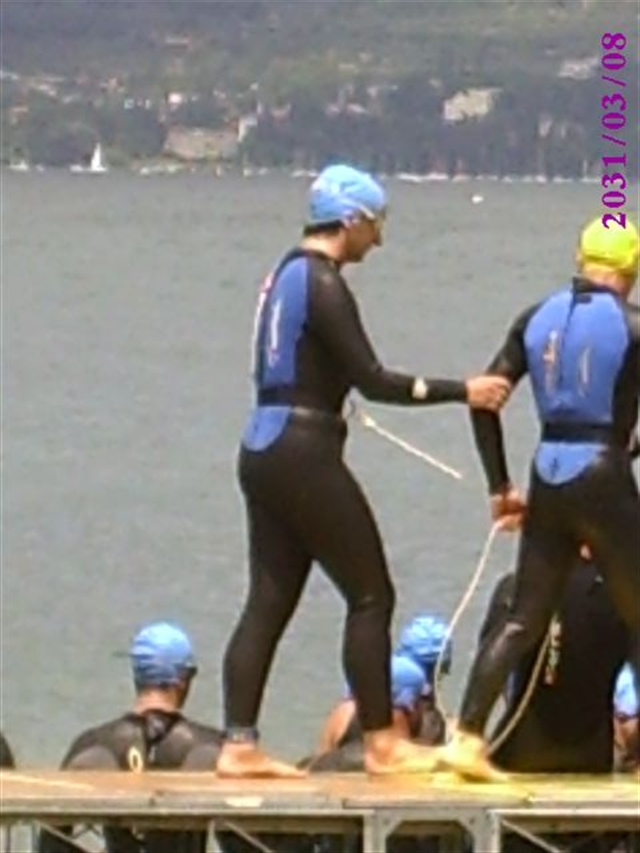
[[466, 755], [246, 761], [386, 752]]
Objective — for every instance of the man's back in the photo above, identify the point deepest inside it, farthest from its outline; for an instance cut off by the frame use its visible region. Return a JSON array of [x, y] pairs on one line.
[[156, 740], [576, 342]]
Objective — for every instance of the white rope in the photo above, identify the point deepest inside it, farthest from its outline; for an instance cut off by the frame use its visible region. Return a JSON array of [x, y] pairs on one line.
[[526, 698], [368, 422], [462, 606], [460, 609]]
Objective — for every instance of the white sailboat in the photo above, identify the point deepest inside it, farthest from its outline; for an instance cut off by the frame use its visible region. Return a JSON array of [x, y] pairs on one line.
[[95, 167]]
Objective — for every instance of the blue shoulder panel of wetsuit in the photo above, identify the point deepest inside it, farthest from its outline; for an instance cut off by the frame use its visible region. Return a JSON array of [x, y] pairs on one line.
[[282, 313], [576, 344]]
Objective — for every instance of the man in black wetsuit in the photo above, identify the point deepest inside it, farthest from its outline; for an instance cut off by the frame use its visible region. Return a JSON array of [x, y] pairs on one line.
[[303, 504], [154, 735], [6, 755], [567, 724], [581, 349]]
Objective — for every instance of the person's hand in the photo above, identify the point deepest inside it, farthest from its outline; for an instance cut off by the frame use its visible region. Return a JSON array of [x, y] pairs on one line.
[[508, 509], [488, 392]]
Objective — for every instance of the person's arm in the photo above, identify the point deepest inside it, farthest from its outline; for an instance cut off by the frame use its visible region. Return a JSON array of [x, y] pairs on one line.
[[633, 319], [334, 318], [335, 726], [511, 363], [633, 313], [627, 391], [626, 743]]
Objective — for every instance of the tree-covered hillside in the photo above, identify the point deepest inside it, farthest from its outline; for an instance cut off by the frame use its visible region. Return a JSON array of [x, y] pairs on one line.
[[374, 80], [233, 43]]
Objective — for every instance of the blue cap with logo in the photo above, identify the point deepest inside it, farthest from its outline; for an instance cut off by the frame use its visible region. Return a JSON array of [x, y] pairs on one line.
[[161, 654], [423, 640], [341, 192]]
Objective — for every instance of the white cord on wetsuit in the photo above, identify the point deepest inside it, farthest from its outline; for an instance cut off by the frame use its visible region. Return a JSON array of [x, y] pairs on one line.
[[368, 423], [462, 606]]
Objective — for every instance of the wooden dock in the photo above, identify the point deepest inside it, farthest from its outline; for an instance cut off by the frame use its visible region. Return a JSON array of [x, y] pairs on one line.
[[352, 803]]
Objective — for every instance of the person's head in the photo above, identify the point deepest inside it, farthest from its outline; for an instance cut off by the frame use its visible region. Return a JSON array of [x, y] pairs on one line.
[[408, 684], [346, 211], [609, 255], [162, 661], [424, 640]]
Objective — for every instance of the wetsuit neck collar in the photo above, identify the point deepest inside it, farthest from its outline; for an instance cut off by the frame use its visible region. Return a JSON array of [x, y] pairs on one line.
[[303, 251], [155, 712], [585, 285]]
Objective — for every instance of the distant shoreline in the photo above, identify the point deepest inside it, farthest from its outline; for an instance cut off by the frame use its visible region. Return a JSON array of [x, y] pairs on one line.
[[153, 170]]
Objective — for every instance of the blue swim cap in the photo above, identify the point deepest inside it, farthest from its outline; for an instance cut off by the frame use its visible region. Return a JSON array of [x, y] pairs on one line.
[[423, 639], [408, 682], [340, 193], [161, 654], [626, 702]]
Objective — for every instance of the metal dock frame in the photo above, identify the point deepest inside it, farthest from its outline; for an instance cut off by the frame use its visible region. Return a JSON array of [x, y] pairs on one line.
[[348, 803]]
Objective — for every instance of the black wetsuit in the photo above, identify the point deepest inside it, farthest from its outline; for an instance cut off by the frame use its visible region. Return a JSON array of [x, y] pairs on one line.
[[303, 504], [581, 349], [156, 740], [567, 726], [6, 755]]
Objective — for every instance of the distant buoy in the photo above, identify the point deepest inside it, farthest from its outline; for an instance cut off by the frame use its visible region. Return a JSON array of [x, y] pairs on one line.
[[477, 198]]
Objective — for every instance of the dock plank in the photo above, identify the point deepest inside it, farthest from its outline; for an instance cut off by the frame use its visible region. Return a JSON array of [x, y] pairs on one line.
[[22, 792]]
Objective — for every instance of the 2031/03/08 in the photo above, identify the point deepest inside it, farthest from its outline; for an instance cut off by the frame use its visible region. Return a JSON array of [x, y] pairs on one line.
[[614, 106]]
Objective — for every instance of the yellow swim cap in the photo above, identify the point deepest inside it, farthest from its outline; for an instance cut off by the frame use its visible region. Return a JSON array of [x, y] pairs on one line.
[[613, 247]]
